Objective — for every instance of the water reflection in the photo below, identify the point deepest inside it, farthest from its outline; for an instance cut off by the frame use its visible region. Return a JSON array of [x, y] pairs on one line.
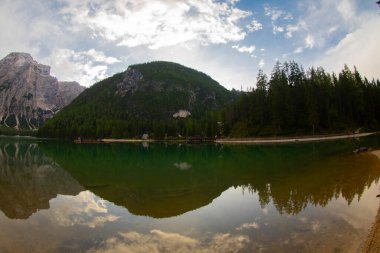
[[316, 181], [146, 182], [29, 179], [183, 166], [161, 241], [296, 198]]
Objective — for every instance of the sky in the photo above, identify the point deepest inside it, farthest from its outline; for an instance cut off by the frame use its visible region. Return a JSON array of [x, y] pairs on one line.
[[230, 40]]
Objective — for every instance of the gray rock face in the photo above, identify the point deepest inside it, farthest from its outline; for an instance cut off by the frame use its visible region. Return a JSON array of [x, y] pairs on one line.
[[133, 80], [130, 82], [28, 94]]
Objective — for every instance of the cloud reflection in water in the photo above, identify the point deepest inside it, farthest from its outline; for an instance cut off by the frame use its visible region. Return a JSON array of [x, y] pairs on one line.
[[160, 241], [85, 209]]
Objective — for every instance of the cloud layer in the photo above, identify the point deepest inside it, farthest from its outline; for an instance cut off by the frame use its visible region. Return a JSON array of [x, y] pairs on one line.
[[86, 67], [158, 23], [359, 48], [89, 40]]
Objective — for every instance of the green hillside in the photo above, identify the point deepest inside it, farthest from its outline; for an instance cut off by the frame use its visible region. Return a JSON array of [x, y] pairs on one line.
[[144, 99]]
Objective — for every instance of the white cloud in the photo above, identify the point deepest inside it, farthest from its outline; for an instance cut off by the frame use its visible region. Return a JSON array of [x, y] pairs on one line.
[[322, 19], [276, 14], [261, 63], [323, 23], [244, 49], [346, 8], [85, 67], [290, 29], [158, 23], [298, 50], [233, 2], [277, 29], [12, 33], [25, 28], [100, 57], [273, 13], [359, 48], [288, 16], [254, 26], [309, 41], [332, 30]]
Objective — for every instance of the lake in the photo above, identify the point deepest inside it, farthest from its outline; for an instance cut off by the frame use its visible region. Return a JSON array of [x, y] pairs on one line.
[[62, 197]]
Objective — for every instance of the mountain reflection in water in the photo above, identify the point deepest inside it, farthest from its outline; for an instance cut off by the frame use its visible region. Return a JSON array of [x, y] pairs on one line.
[[62, 197], [29, 179], [168, 181]]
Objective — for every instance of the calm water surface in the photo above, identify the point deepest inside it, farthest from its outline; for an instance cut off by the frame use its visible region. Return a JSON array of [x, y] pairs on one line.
[[62, 197]]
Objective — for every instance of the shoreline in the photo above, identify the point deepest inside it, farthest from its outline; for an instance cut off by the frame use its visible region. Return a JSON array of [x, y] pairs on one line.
[[271, 140], [241, 141], [372, 243]]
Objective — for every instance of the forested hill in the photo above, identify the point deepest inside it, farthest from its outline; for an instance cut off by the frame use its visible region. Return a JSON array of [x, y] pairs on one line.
[[158, 98], [166, 99], [294, 102]]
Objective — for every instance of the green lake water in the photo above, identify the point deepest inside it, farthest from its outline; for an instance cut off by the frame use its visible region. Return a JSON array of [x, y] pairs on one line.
[[63, 197]]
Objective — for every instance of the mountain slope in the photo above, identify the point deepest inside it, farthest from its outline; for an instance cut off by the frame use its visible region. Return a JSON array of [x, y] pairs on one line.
[[28, 94], [160, 98]]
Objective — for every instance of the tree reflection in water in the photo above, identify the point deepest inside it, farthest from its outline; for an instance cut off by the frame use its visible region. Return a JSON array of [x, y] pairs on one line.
[[146, 182], [168, 181]]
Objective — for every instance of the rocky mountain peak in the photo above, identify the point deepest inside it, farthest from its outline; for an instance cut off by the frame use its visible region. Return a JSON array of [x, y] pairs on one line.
[[29, 95], [19, 60]]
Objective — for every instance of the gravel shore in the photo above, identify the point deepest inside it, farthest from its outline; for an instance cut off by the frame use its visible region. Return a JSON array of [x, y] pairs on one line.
[[372, 244]]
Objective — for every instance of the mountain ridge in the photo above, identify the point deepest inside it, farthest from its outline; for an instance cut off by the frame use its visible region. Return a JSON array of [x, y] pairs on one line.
[[29, 95]]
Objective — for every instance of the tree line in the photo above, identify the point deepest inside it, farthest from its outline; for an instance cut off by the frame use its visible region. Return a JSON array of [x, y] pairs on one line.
[[291, 101]]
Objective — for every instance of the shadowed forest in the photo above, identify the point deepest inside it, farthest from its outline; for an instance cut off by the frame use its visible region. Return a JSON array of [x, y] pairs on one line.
[[291, 101]]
